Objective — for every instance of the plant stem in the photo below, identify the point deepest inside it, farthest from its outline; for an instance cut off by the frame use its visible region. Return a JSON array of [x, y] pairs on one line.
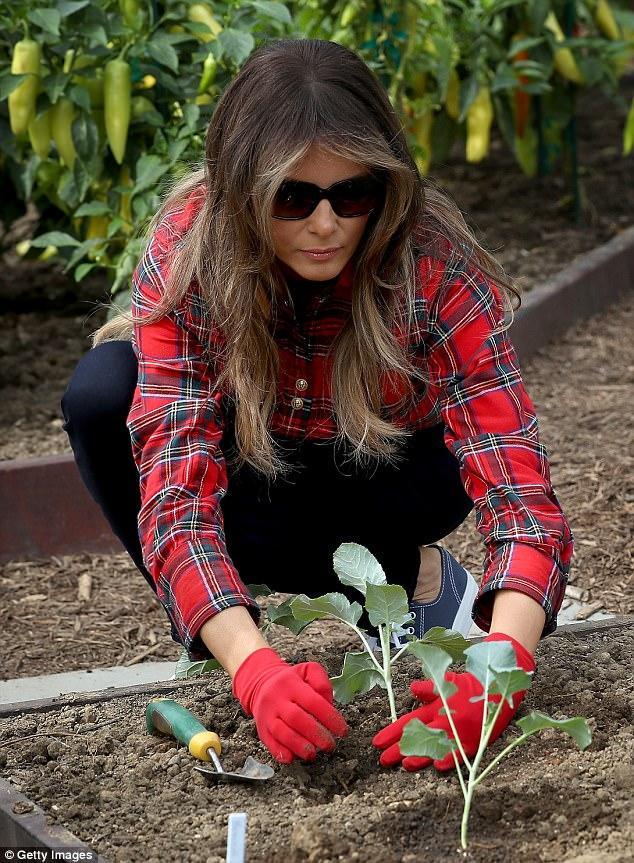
[[387, 668], [485, 734], [499, 757], [398, 655], [456, 736], [379, 667]]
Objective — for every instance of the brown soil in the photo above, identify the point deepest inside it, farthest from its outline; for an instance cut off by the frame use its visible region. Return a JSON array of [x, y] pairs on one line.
[[133, 797], [581, 387]]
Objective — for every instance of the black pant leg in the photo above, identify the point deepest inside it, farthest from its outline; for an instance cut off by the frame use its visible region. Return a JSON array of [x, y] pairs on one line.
[[95, 406]]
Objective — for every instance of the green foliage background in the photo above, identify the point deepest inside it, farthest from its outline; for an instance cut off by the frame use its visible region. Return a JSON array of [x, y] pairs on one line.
[[95, 212]]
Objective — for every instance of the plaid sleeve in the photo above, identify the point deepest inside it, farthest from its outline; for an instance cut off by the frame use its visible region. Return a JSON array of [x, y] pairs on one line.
[[176, 424], [492, 429]]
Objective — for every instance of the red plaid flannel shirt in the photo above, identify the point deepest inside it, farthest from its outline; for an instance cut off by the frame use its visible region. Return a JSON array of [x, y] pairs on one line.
[[176, 424]]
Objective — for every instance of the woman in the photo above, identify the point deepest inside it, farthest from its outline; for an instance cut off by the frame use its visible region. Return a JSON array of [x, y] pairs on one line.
[[281, 398]]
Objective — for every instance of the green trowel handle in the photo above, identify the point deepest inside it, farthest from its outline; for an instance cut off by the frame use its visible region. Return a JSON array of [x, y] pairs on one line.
[[165, 716]]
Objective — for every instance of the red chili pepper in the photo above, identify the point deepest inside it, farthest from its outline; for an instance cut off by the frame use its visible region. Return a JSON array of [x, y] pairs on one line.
[[522, 99]]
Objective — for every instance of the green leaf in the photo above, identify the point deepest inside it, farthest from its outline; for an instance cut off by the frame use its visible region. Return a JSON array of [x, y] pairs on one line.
[[259, 590], [115, 225], [9, 82], [448, 640], [81, 176], [47, 19], [69, 7], [277, 11], [576, 727], [162, 51], [281, 615], [387, 605], [80, 251], [523, 45], [54, 85], [358, 675], [468, 92], [54, 238], [507, 683], [236, 44], [95, 33], [357, 567], [83, 270], [484, 660], [435, 663], [86, 140], [149, 169], [80, 97], [418, 739], [92, 208], [186, 668], [191, 114], [330, 605]]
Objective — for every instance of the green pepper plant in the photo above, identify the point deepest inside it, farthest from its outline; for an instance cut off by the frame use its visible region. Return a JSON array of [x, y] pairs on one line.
[[495, 666], [387, 609]]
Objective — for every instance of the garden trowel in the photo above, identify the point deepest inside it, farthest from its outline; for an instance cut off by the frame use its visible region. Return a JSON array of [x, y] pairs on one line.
[[165, 716]]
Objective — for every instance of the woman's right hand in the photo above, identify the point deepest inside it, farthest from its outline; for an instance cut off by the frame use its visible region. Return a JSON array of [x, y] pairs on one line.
[[291, 704]]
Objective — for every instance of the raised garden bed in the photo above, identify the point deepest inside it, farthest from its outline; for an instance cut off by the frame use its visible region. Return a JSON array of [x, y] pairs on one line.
[[134, 797]]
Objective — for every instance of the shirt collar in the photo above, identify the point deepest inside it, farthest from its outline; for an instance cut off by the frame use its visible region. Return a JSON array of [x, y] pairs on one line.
[[340, 289]]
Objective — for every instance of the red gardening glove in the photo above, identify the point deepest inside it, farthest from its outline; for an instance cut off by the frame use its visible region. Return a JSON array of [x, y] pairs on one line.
[[291, 705], [467, 715]]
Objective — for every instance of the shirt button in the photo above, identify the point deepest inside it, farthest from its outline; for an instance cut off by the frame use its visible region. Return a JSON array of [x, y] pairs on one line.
[[297, 403], [301, 384]]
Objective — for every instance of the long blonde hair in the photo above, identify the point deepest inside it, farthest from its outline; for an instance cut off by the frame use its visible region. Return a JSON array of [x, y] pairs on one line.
[[290, 94]]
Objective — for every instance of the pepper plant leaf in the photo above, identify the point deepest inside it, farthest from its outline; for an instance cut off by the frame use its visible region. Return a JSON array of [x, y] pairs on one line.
[[330, 605], [484, 660], [282, 615], [358, 675], [507, 683], [449, 640], [259, 590], [185, 667], [435, 663], [576, 727], [357, 567], [418, 739], [387, 605]]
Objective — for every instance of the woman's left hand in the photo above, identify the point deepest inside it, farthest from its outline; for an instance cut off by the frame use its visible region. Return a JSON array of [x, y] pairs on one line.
[[466, 715]]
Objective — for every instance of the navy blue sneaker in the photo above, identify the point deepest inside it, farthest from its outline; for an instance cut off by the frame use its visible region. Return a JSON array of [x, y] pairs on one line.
[[452, 607]]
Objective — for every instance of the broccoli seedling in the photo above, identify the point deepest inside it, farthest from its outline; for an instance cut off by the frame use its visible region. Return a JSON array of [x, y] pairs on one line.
[[388, 610], [494, 664]]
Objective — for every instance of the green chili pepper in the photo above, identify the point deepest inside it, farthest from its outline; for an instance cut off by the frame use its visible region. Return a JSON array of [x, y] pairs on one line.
[[62, 116], [628, 132], [209, 73], [141, 105], [117, 105], [40, 133], [26, 60], [202, 14], [350, 12], [133, 14], [479, 119], [94, 85]]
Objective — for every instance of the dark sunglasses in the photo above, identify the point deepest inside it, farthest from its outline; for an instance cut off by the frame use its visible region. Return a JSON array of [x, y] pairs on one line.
[[357, 196]]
